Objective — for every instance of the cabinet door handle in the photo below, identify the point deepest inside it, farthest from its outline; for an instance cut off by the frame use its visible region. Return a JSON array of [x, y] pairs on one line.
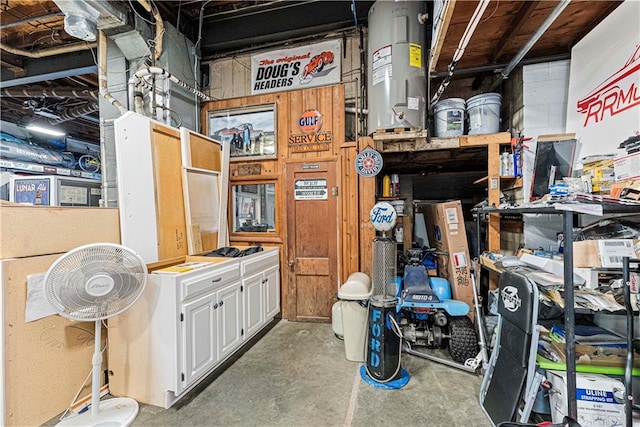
[[216, 280], [221, 303], [215, 306]]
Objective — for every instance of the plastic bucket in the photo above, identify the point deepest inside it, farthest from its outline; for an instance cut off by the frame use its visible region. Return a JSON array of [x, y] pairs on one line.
[[449, 117], [484, 113]]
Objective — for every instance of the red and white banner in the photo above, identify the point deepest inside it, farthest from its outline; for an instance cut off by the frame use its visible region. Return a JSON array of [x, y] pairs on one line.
[[296, 68], [604, 86]]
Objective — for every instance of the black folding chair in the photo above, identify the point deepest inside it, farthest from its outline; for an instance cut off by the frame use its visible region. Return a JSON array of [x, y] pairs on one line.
[[511, 382]]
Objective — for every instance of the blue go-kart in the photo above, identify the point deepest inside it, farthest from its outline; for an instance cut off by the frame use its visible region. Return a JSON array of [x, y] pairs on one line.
[[429, 316]]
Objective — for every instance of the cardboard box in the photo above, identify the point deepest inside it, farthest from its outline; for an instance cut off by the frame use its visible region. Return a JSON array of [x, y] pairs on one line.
[[604, 253], [596, 355], [45, 361], [627, 167], [630, 187], [445, 228], [601, 174], [32, 230], [600, 399]]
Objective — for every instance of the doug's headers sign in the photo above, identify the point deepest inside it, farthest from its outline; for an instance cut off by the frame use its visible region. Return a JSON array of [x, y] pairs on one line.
[[296, 68]]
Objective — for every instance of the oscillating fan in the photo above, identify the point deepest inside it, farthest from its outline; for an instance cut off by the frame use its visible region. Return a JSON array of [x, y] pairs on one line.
[[95, 282]]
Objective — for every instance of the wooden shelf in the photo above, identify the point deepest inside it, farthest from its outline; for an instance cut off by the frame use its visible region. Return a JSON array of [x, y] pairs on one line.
[[511, 182]]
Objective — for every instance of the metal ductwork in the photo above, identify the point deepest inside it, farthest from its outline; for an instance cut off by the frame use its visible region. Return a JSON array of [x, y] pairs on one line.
[[83, 19]]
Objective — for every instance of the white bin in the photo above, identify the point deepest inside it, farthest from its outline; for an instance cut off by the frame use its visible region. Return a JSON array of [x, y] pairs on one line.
[[353, 296]]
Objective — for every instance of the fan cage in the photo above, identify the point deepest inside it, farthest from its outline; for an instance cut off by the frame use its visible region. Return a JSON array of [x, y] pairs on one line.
[[66, 281]]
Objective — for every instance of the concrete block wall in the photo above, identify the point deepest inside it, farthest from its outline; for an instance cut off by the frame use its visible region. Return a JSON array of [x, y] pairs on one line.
[[545, 89]]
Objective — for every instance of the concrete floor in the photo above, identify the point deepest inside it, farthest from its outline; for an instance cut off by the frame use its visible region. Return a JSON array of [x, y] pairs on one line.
[[297, 375]]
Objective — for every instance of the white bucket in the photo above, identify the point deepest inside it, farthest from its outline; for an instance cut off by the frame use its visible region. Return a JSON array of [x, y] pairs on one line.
[[484, 113], [449, 117]]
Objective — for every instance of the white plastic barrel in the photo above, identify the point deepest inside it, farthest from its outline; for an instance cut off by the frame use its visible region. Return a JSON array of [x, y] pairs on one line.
[[484, 113], [449, 117], [353, 296]]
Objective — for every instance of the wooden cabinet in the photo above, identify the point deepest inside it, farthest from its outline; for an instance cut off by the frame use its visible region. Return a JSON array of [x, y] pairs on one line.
[[186, 324]]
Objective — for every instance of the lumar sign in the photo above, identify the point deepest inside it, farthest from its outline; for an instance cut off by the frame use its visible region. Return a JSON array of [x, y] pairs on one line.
[[310, 123]]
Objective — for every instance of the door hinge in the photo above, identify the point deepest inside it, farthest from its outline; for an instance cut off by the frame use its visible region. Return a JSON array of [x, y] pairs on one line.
[[241, 288], [182, 317], [241, 332], [334, 191], [182, 376]]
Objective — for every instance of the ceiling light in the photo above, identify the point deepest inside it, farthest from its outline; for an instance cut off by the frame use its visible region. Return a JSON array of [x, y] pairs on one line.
[[45, 130]]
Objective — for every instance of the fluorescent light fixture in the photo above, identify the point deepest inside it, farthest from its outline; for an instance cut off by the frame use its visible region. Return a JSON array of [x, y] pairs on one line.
[[48, 131]]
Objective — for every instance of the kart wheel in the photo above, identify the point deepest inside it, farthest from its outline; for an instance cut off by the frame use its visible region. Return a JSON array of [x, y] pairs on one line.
[[320, 65], [463, 343]]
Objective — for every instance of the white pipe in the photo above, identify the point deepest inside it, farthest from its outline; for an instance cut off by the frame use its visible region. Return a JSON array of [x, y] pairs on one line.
[[43, 53], [147, 71], [532, 41]]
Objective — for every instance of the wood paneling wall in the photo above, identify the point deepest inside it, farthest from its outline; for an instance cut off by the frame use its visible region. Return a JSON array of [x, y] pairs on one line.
[[330, 102]]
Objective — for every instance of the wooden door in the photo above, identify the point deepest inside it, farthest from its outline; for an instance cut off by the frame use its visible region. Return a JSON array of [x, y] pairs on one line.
[[312, 239]]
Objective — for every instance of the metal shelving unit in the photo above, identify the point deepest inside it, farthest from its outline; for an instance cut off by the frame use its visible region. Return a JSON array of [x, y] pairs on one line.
[[569, 319]]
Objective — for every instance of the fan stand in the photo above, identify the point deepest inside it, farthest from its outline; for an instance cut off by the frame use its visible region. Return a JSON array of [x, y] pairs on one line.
[[119, 411]]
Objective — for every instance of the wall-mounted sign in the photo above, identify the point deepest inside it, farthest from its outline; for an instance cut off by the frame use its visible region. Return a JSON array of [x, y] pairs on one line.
[[296, 68], [310, 121], [31, 191], [383, 216], [311, 189], [368, 163]]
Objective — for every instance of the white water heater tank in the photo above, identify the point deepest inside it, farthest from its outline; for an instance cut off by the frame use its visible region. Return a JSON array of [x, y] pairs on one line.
[[396, 81]]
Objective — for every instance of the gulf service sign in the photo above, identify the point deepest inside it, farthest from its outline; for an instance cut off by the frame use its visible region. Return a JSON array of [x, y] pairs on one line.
[[296, 68]]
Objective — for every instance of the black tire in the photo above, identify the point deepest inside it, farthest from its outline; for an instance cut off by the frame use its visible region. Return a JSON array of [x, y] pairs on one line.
[[320, 65], [463, 343]]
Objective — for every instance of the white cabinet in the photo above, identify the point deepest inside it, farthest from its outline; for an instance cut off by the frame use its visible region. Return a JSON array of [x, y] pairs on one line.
[[186, 324], [212, 329], [200, 332], [261, 282]]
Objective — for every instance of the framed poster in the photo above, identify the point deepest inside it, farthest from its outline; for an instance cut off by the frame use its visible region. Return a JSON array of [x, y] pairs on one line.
[[249, 131]]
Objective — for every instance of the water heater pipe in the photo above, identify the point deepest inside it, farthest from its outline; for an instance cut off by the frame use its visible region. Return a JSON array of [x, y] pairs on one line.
[[532, 41]]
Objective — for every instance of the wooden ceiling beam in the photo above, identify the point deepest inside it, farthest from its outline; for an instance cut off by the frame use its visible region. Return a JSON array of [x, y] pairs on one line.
[[595, 21], [28, 13], [447, 13], [523, 14]]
